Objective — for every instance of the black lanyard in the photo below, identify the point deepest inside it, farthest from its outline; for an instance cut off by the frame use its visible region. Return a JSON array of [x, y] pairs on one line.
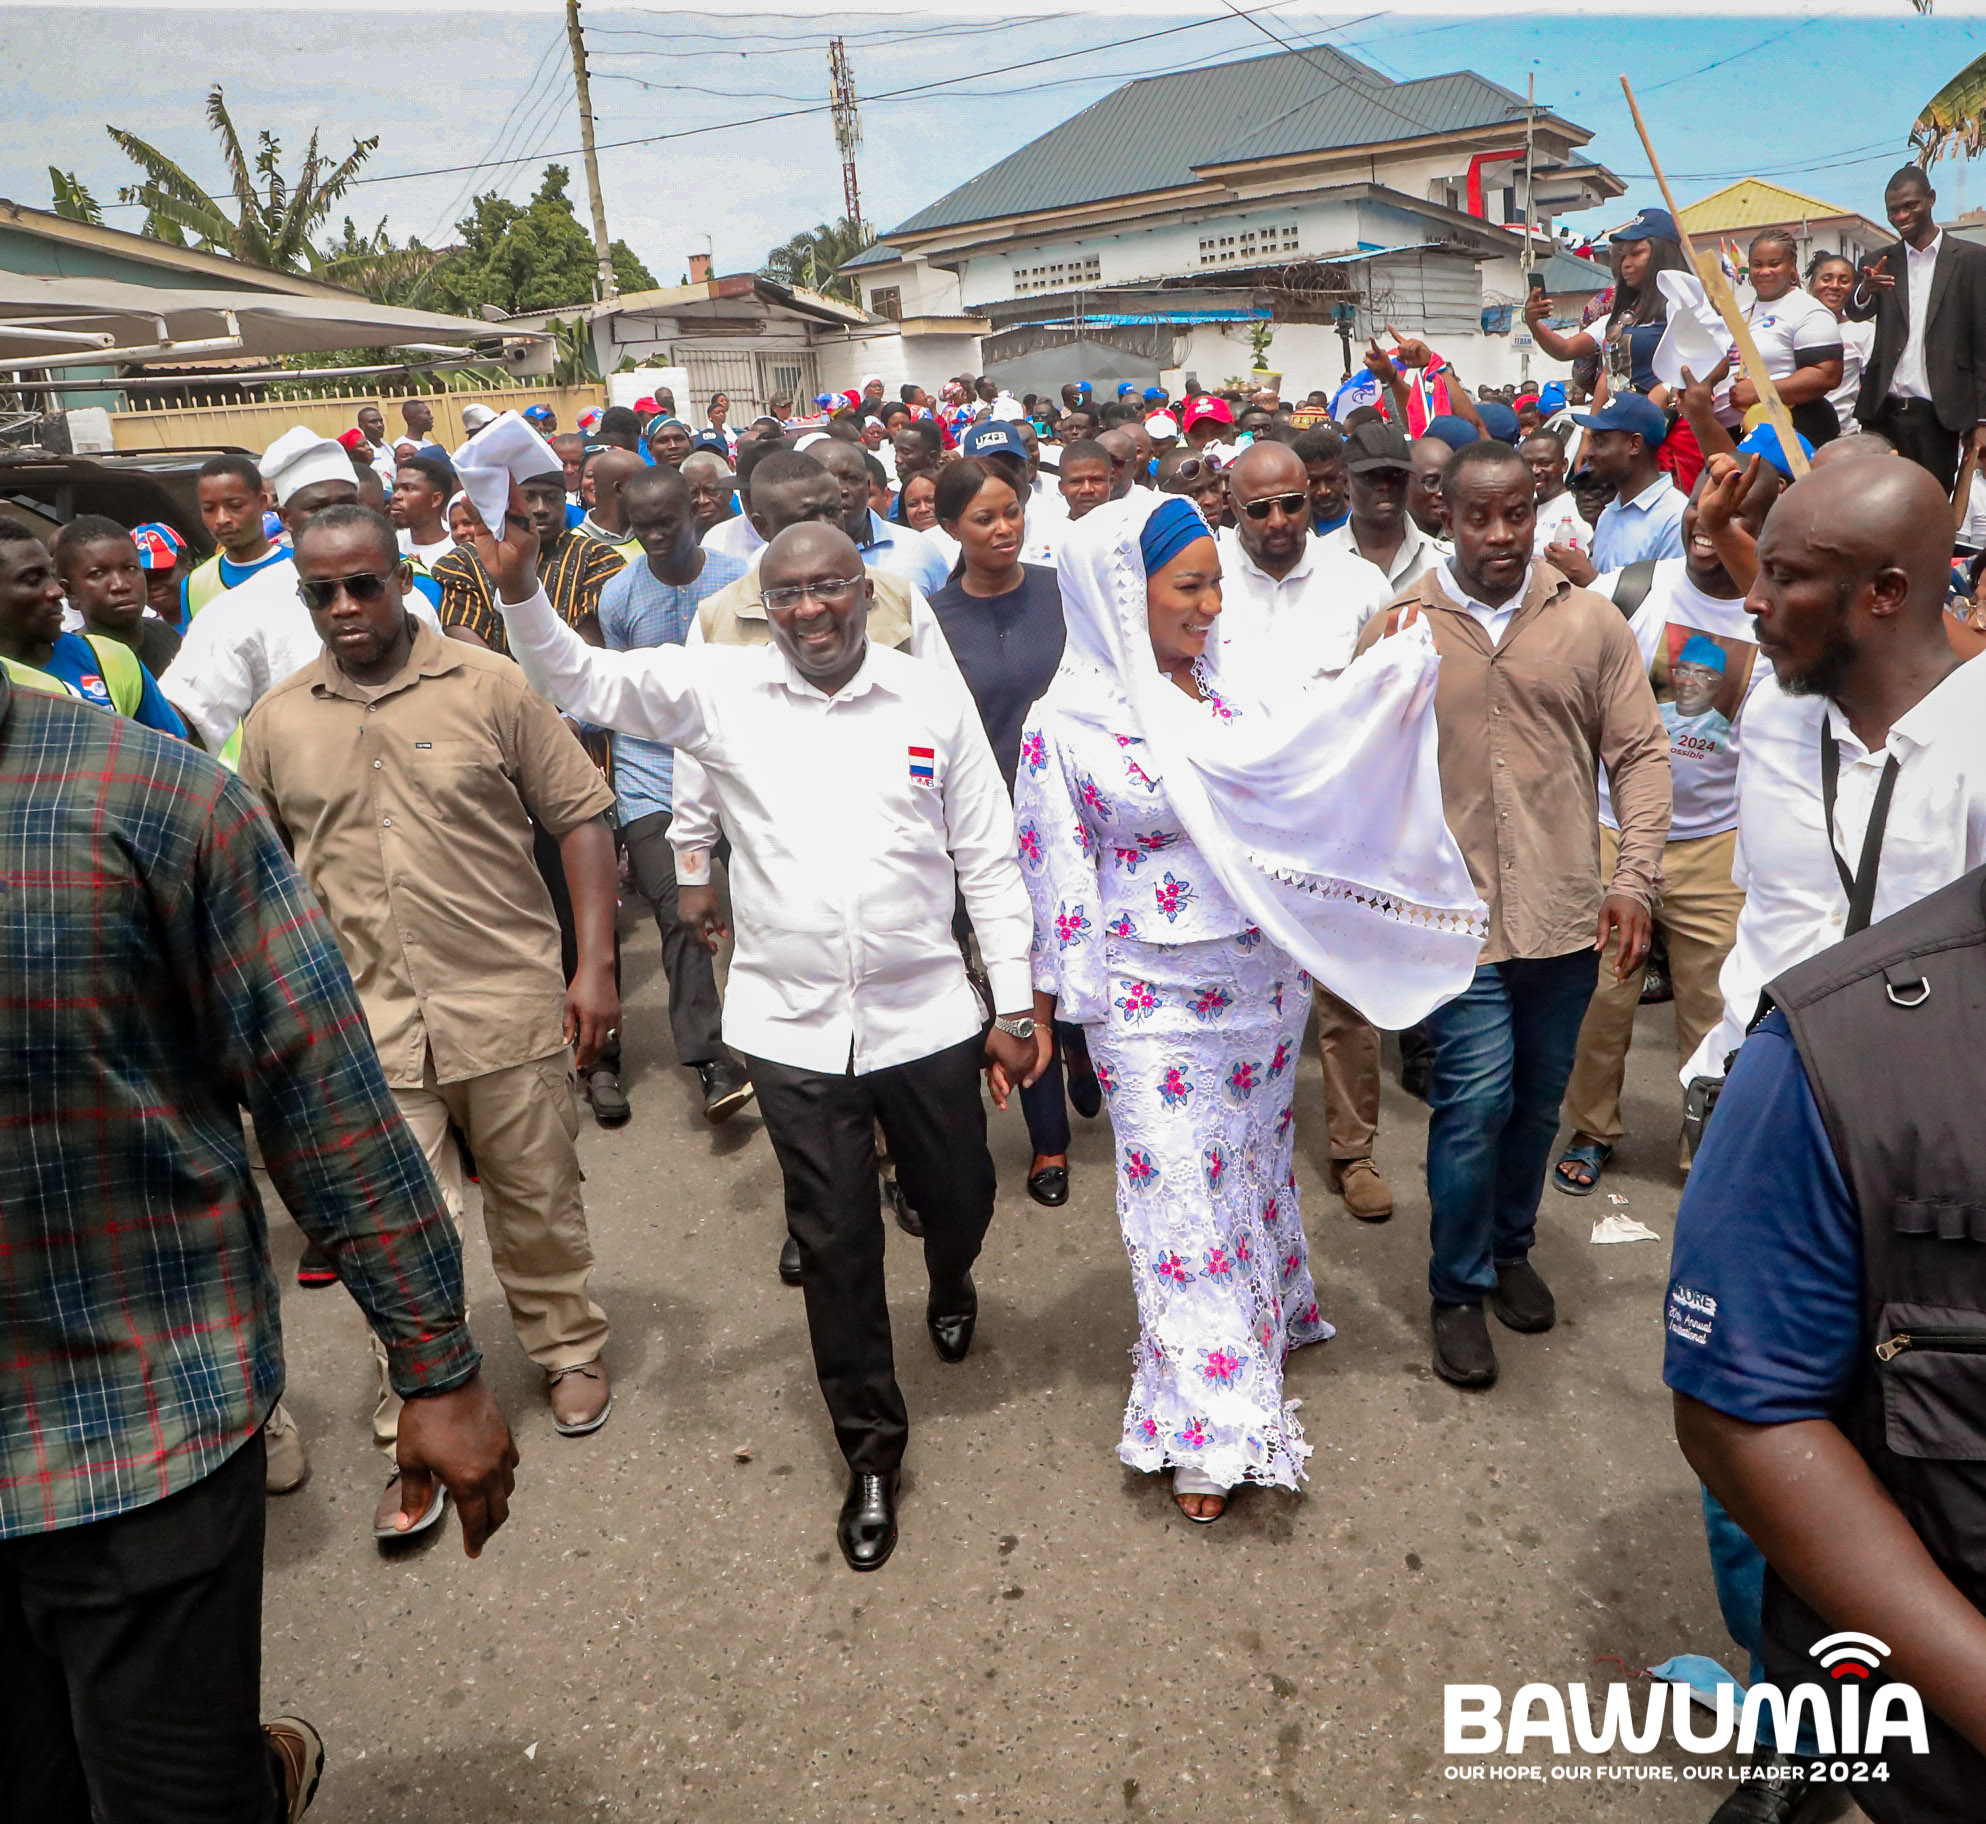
[[1861, 885]]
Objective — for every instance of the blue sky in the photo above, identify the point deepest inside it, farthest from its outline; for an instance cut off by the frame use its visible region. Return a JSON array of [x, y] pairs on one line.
[[1822, 103]]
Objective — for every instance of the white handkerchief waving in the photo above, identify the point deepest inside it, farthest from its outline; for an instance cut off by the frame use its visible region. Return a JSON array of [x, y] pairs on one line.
[[506, 450]]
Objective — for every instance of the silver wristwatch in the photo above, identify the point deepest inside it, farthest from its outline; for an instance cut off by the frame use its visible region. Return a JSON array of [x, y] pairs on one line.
[[1022, 1028]]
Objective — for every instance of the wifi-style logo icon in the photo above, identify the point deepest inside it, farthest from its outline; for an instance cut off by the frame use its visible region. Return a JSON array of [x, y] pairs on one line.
[[1850, 1655]]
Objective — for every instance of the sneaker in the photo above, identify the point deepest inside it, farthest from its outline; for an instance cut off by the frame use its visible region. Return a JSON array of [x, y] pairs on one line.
[[1462, 1351], [582, 1396], [1367, 1195], [727, 1087], [300, 1749], [287, 1467], [1522, 1301], [314, 1269]]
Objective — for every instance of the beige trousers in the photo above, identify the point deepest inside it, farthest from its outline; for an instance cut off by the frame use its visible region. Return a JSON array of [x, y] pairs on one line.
[[1349, 1046], [521, 1125], [1698, 914]]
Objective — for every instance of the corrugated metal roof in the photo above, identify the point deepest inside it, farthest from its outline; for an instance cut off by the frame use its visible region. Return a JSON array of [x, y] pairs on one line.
[[1150, 134], [877, 253], [1753, 203]]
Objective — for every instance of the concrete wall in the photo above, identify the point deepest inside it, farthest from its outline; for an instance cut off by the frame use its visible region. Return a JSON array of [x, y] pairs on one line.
[[256, 425], [928, 360]]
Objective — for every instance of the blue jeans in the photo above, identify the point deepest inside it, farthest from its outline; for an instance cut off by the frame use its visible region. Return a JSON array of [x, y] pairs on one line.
[[1503, 1051], [1737, 1568]]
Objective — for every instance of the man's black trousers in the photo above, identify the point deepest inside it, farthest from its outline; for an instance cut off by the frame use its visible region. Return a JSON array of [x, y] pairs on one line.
[[1912, 425], [823, 1132], [131, 1663]]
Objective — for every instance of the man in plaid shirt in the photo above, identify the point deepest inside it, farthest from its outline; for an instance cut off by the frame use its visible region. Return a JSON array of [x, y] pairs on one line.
[[161, 966]]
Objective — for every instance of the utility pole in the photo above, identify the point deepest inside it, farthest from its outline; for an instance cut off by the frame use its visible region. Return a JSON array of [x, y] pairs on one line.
[[602, 247], [847, 129], [1530, 212]]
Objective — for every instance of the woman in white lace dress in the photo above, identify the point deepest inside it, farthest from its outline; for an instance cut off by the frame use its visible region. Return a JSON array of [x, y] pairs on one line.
[[1196, 844]]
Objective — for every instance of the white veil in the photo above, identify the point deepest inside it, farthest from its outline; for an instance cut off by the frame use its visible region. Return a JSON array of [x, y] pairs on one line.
[[1319, 805]]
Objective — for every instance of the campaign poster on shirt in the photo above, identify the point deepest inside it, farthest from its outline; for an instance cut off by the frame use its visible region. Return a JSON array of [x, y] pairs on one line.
[[1700, 681]]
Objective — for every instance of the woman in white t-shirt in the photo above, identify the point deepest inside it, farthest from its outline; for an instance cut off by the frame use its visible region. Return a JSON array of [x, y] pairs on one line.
[[1798, 340], [1831, 278]]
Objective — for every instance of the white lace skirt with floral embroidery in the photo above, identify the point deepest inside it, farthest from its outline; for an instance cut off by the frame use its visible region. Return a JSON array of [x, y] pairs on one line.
[[1198, 1060]]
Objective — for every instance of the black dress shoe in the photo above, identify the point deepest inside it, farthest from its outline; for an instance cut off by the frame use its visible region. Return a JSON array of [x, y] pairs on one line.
[[1776, 1796], [866, 1532], [907, 1219], [951, 1321], [1050, 1185], [1522, 1301], [1462, 1351], [789, 1262], [727, 1087], [1085, 1092], [611, 1107]]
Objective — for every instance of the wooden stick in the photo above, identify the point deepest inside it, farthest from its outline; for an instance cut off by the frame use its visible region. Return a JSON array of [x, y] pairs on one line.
[[1962, 494], [1711, 272]]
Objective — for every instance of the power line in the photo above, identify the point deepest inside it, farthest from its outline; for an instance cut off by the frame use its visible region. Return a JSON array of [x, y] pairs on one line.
[[761, 46], [1719, 63], [921, 88], [523, 102], [1331, 76]]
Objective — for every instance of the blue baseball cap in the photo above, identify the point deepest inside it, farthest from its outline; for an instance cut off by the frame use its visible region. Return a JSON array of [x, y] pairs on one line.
[[1499, 420], [537, 413], [1154, 392], [1125, 388], [1649, 225], [1551, 398], [1764, 440], [993, 437], [1453, 431], [1629, 412]]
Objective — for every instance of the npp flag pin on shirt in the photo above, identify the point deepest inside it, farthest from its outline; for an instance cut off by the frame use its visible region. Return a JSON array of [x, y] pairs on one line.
[[923, 764]]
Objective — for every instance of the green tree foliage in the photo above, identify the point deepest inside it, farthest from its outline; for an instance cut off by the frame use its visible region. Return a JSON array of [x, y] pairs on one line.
[[811, 257], [526, 256], [73, 198], [267, 218]]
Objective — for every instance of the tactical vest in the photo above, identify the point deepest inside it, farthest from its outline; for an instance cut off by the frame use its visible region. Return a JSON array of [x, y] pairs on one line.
[[1891, 1027]]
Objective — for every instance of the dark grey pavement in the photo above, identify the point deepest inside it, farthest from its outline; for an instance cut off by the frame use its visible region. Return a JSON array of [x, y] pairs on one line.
[[665, 1630]]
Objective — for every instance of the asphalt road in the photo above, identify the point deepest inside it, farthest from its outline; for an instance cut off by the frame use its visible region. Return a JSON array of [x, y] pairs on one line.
[[665, 1630]]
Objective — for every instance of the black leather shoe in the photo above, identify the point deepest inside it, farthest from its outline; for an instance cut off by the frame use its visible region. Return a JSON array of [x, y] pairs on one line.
[[789, 1262], [1776, 1796], [1522, 1300], [726, 1089], [866, 1531], [611, 1107], [951, 1322], [907, 1219], [1085, 1092], [1462, 1352], [1050, 1185]]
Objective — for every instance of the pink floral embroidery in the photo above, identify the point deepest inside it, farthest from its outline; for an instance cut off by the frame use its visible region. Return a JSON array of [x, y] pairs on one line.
[[1156, 840], [1128, 859], [1241, 1081], [1219, 1366], [1283, 1122], [1148, 1430], [1174, 1087], [1070, 924], [1310, 1317], [1174, 896], [1034, 751], [1030, 840], [1139, 776], [1210, 1003], [1140, 1169], [1086, 789], [1170, 1266], [1121, 926], [1213, 1165], [1247, 938], [1106, 1080], [1292, 1264], [1272, 1210], [1087, 843], [1219, 1266], [1244, 1252], [1193, 1434], [1281, 1061], [1138, 1002]]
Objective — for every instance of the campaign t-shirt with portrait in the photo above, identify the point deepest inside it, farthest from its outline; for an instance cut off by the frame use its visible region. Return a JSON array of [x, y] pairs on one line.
[[1702, 657]]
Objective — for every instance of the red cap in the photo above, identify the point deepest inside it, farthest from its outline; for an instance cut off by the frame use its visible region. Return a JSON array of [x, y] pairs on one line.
[[1208, 405], [353, 438]]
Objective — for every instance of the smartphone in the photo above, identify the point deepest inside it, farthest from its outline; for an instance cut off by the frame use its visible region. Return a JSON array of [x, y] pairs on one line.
[[1538, 279]]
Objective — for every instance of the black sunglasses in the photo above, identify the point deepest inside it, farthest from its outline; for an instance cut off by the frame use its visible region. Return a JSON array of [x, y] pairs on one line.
[[1291, 504], [366, 587]]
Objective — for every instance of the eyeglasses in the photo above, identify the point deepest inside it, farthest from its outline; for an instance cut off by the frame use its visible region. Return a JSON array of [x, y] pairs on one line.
[[1197, 468], [829, 591], [366, 587], [1291, 504]]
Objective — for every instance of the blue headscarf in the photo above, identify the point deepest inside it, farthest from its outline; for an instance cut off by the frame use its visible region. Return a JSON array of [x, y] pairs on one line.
[[1175, 525]]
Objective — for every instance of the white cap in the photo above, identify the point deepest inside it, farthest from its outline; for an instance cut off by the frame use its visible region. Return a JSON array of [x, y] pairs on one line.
[[507, 450], [807, 442], [1006, 409], [1162, 424], [476, 415], [301, 456]]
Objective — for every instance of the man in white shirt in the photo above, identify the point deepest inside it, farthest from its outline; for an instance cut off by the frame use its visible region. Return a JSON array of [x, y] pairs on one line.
[[1379, 470], [1293, 601], [1559, 519], [1699, 646], [862, 800], [257, 634], [1849, 607]]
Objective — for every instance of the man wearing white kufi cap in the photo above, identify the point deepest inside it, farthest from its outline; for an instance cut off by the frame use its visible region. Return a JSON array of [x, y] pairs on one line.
[[259, 633]]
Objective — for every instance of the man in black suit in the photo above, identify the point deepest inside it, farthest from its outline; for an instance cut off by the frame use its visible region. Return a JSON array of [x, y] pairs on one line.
[[1924, 387]]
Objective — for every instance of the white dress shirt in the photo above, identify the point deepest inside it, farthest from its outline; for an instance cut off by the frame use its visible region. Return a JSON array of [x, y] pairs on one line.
[[1306, 621], [255, 635], [846, 863], [1417, 555], [734, 537], [1794, 904], [1911, 380], [1495, 621]]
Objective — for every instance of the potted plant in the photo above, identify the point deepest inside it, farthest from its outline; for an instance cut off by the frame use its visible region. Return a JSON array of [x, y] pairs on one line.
[[1260, 335]]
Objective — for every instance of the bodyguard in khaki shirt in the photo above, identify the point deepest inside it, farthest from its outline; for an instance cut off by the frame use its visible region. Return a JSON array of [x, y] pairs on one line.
[[1541, 683], [405, 770]]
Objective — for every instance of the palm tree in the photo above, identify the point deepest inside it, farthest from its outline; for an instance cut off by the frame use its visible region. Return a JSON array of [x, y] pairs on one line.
[[73, 198], [1954, 119], [811, 258], [273, 217]]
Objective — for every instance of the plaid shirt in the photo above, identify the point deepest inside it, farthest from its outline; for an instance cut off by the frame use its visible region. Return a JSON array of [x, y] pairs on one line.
[[161, 966], [573, 571]]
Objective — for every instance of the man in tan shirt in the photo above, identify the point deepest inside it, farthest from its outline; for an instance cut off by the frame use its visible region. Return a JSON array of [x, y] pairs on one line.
[[1541, 683], [405, 770]]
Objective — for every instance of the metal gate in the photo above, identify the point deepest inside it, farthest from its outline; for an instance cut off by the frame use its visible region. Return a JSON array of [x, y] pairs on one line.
[[727, 371], [790, 374]]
